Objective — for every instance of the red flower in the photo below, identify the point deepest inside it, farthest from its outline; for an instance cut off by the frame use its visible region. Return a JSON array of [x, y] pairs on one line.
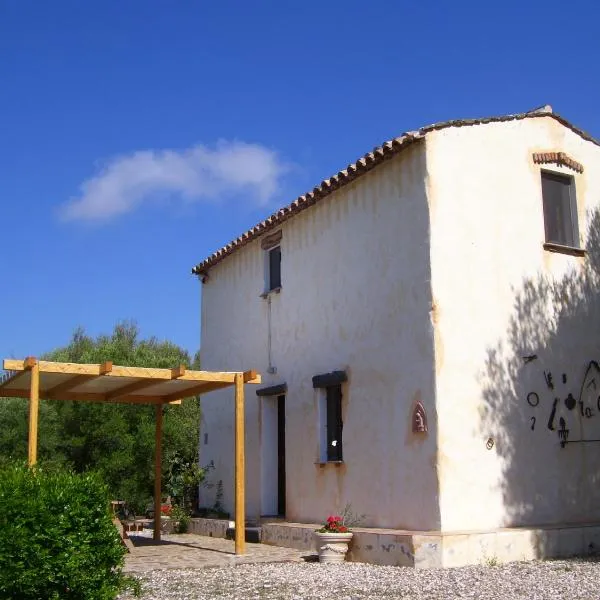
[[335, 524]]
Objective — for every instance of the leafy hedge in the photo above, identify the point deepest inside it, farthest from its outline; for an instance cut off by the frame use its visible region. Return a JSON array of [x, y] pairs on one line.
[[57, 539]]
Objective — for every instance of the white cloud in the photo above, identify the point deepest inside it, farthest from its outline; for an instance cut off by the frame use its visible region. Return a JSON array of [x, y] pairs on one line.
[[125, 183]]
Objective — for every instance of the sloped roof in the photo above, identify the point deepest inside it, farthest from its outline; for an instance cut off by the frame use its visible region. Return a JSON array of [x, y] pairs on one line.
[[363, 165]]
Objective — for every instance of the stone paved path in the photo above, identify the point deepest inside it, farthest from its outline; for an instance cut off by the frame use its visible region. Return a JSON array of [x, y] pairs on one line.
[[190, 551]]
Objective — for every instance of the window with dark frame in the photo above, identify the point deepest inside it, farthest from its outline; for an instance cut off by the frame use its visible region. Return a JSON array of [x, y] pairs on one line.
[[275, 268], [334, 422], [330, 424], [560, 209]]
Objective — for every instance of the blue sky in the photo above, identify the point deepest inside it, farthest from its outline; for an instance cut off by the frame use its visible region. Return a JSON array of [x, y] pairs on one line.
[[137, 137]]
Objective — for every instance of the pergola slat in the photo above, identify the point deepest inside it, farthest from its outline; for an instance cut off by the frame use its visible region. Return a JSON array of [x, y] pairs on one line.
[[174, 373], [91, 397], [196, 390], [11, 379], [136, 386], [77, 380], [24, 367], [71, 383]]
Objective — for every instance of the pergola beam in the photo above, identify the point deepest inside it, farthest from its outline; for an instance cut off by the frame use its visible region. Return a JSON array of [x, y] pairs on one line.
[[203, 388], [251, 377], [120, 371], [177, 372], [45, 366]]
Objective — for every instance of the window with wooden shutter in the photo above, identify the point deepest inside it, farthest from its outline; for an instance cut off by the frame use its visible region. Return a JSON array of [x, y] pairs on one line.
[[560, 209]]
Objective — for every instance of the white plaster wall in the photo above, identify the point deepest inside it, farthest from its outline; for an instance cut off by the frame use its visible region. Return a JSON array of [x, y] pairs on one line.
[[498, 297], [355, 296]]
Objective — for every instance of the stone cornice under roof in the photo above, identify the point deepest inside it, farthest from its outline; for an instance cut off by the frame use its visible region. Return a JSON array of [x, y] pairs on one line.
[[363, 165]]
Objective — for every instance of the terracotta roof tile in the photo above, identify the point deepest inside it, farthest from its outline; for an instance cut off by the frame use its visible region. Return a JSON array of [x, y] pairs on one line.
[[361, 166]]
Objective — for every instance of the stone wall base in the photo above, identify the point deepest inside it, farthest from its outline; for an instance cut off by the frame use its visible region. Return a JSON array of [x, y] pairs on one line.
[[448, 549], [210, 527], [432, 549]]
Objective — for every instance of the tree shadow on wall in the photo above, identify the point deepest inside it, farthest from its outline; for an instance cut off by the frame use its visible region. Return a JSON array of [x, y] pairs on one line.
[[541, 392]]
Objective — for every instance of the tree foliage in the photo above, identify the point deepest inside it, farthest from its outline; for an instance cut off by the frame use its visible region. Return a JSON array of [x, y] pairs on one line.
[[115, 439]]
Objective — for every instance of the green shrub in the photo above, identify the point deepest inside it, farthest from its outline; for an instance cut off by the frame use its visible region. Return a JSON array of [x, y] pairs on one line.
[[57, 539], [182, 518]]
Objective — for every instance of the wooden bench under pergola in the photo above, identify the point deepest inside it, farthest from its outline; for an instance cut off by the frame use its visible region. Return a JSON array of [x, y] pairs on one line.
[[105, 382]]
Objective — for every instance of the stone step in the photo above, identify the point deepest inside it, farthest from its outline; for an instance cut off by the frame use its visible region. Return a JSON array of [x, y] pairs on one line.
[[253, 534]]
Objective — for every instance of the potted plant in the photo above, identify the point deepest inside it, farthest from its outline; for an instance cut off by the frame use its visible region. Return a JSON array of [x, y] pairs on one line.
[[332, 540]]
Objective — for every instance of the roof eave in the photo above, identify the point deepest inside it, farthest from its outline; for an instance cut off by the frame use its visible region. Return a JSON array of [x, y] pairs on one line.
[[325, 188], [362, 166]]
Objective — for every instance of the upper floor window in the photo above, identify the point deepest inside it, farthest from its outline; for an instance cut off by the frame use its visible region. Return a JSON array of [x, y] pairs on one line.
[[560, 209], [274, 266]]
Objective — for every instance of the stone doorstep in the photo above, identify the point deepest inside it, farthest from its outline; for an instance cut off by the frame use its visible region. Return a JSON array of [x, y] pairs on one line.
[[253, 534]]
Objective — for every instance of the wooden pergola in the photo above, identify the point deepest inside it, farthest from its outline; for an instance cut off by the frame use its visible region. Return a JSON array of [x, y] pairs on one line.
[[35, 379]]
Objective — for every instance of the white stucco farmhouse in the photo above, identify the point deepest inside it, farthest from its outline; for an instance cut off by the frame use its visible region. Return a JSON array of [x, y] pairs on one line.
[[427, 324]]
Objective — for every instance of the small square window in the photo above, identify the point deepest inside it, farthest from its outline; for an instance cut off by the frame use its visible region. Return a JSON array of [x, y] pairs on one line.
[[560, 209], [331, 424], [274, 269]]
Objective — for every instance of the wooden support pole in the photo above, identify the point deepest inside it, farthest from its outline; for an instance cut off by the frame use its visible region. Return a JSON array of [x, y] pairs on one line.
[[240, 496], [157, 472], [34, 408]]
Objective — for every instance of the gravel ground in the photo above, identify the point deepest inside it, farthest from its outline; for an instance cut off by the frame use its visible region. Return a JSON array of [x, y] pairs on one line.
[[572, 579]]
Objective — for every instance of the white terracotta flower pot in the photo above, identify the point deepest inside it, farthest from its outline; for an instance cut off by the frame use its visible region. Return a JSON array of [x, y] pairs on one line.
[[332, 547]]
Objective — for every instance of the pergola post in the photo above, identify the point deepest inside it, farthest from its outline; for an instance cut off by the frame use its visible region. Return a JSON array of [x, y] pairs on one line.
[[157, 472], [240, 500], [34, 407]]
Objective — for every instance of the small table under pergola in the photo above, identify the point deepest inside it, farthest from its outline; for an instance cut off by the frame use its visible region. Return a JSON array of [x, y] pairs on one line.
[[105, 382]]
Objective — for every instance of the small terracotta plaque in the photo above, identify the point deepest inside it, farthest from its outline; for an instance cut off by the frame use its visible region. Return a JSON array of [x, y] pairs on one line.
[[419, 419]]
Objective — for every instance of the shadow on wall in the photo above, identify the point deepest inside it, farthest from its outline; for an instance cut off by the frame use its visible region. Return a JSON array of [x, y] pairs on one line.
[[542, 398]]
